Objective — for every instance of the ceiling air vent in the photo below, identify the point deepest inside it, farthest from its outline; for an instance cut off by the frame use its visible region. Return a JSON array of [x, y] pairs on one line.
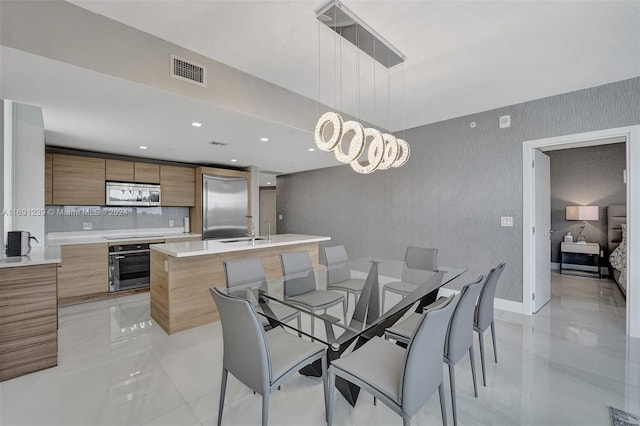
[[188, 71]]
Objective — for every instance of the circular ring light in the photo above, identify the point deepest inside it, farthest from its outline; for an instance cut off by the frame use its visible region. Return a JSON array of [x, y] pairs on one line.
[[403, 157], [391, 151], [375, 152], [320, 137], [356, 144]]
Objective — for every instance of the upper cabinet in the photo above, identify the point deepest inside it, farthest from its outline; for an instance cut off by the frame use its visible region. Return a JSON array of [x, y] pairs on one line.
[[48, 178], [78, 181], [178, 186], [120, 171], [130, 171], [146, 173]]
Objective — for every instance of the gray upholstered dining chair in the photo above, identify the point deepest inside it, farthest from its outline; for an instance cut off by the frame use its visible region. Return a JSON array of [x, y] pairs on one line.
[[262, 361], [424, 259], [403, 379], [300, 286], [459, 338], [244, 272], [484, 316], [339, 273]]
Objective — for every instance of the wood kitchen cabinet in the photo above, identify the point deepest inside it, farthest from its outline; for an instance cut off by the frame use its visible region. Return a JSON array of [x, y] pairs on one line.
[[28, 320], [78, 181], [48, 178], [178, 186], [83, 273], [119, 170], [146, 172]]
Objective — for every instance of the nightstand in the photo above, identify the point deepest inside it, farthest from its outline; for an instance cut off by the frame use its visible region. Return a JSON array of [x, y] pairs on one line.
[[587, 253]]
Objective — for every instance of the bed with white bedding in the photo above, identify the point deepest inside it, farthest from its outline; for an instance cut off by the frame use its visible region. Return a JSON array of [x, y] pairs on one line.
[[617, 243]]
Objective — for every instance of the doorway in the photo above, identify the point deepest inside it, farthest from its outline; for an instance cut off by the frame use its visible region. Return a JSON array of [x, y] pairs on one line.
[[530, 281], [268, 211]]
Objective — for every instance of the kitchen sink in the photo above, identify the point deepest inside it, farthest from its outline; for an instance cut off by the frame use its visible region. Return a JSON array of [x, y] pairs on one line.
[[237, 240]]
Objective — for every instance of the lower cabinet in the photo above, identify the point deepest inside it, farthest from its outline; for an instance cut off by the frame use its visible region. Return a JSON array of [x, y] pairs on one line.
[[28, 320], [83, 273]]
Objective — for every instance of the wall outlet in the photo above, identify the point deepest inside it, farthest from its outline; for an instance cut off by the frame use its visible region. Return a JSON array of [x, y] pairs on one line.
[[172, 222], [279, 217], [506, 221], [87, 226]]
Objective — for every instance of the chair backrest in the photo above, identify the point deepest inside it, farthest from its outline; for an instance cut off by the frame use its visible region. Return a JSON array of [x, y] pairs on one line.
[[337, 262], [245, 271], [422, 366], [423, 259], [246, 353], [460, 332], [297, 272], [484, 308]]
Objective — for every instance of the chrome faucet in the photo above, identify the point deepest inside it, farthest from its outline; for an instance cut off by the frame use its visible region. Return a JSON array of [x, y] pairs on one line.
[[268, 230]]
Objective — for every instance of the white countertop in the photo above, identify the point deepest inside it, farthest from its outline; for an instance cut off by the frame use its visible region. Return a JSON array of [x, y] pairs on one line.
[[199, 248], [38, 256], [115, 236]]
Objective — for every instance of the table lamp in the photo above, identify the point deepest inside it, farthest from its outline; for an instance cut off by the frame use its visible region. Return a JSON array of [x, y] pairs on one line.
[[582, 213]]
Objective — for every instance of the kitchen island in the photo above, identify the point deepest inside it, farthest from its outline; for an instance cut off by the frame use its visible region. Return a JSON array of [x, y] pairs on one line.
[[182, 273]]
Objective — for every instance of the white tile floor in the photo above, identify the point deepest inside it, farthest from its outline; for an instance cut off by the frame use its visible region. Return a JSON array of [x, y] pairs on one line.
[[563, 366]]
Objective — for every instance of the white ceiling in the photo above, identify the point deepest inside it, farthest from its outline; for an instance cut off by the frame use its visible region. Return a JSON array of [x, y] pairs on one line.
[[462, 58]]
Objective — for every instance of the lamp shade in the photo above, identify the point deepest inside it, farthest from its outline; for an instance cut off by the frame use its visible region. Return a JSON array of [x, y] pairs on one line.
[[582, 212]]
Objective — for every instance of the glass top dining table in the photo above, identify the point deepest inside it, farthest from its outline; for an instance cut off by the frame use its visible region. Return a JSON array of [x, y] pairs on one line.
[[364, 320], [367, 316]]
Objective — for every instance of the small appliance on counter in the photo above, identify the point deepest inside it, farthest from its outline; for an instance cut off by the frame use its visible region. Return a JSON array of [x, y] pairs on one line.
[[19, 243]]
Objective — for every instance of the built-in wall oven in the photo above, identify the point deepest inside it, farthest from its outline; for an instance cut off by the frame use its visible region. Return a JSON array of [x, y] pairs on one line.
[[129, 266]]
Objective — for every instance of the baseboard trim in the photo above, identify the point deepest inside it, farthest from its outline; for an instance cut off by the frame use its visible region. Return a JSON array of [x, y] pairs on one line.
[[502, 304]]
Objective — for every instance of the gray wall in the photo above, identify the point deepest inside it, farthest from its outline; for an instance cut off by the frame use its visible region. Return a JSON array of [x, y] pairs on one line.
[[585, 176], [456, 185]]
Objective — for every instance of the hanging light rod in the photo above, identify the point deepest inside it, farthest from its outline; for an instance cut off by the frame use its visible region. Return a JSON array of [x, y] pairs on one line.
[[340, 19]]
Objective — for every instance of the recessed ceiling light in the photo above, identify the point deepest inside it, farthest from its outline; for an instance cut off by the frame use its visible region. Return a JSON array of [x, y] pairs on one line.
[[264, 139], [233, 160], [268, 183], [196, 124], [311, 149], [142, 147]]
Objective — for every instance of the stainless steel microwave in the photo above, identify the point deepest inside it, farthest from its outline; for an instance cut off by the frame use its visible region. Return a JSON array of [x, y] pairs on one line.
[[132, 194]]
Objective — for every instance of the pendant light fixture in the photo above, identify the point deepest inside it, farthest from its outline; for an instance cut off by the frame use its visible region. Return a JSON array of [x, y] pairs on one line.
[[367, 149]]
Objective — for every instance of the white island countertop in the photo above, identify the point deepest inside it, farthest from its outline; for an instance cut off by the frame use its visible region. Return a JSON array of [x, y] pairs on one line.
[[199, 248]]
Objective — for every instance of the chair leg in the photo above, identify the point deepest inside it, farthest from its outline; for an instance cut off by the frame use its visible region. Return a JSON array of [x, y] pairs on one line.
[[473, 370], [331, 385], [345, 301], [481, 340], [493, 336], [452, 385], [383, 293], [346, 298], [265, 408], [325, 384], [443, 405], [299, 325], [312, 327], [375, 401], [223, 389]]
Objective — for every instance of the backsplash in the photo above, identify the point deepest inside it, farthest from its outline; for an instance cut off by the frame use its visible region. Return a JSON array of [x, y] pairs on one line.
[[72, 218]]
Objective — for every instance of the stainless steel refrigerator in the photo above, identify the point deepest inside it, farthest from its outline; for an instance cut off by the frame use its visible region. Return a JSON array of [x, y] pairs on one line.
[[225, 205]]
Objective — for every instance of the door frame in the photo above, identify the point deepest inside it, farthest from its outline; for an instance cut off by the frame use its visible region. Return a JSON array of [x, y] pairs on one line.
[[632, 136]]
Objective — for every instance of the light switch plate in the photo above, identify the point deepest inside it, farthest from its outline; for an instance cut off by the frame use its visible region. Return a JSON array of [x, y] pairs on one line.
[[279, 217], [87, 226], [506, 221], [172, 222], [505, 121]]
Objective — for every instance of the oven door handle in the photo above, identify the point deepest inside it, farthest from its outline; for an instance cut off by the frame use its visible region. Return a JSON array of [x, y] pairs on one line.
[[118, 257], [118, 253]]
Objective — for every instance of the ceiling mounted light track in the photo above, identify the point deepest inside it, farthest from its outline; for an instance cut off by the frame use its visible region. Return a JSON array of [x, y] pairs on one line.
[[367, 149]]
